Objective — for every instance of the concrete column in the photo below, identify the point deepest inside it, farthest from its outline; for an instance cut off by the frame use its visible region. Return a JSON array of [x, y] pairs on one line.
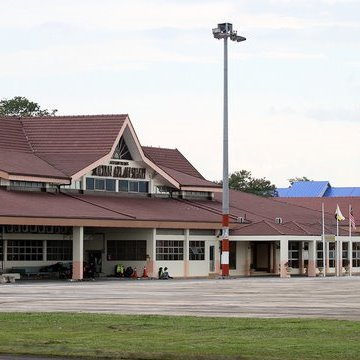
[[301, 258], [4, 255], [327, 260], [312, 259], [217, 257], [83, 183], [44, 250], [247, 252], [276, 265], [186, 253], [78, 252], [272, 257], [337, 257], [151, 255], [284, 254]]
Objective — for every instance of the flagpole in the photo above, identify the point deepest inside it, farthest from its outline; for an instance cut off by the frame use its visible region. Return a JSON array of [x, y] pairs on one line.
[[350, 243], [338, 243], [323, 237], [337, 248]]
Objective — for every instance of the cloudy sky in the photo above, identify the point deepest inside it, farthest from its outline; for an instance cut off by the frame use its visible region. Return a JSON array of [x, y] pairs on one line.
[[294, 85]]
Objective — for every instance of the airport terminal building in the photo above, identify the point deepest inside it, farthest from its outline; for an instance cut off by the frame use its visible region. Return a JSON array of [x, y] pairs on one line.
[[78, 189]]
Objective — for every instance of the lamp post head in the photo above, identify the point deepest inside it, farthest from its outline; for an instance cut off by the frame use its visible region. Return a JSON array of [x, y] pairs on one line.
[[225, 30]]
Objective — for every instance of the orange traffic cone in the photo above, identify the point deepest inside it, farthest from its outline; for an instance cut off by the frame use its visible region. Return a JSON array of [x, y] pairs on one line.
[[134, 274], [145, 275]]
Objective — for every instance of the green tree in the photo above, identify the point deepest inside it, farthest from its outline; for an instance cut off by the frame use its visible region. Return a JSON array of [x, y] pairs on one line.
[[21, 106], [295, 179], [243, 181]]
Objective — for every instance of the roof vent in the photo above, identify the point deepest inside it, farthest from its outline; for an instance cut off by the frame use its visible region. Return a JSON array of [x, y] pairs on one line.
[[240, 220], [278, 220]]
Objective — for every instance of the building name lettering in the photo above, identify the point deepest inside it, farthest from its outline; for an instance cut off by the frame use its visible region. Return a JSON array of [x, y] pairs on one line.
[[119, 172]]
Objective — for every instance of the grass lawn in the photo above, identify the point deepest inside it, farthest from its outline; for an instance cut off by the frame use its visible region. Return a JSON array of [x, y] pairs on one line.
[[168, 337]]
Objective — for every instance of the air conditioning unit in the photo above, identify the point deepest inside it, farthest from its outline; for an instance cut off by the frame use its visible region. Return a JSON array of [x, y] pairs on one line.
[[278, 220], [240, 220]]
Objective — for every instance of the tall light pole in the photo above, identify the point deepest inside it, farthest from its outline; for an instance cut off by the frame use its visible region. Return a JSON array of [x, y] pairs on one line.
[[225, 31]]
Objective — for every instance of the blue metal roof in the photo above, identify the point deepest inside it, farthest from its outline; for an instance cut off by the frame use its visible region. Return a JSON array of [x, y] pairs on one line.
[[282, 192], [317, 189], [342, 191], [305, 189]]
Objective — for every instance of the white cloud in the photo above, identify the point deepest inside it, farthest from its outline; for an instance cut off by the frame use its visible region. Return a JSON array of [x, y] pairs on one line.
[[107, 56], [339, 115], [113, 14]]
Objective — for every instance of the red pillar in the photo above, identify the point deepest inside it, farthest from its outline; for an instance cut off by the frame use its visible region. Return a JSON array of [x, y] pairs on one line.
[[225, 245]]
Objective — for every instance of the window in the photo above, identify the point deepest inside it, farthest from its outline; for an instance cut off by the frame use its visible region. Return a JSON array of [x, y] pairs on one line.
[[105, 184], [59, 250], [20, 250], [126, 250], [99, 184], [332, 254], [123, 185], [110, 185], [143, 186], [90, 184], [169, 250], [356, 254], [319, 255], [293, 254], [133, 186], [23, 184], [345, 254], [196, 250]]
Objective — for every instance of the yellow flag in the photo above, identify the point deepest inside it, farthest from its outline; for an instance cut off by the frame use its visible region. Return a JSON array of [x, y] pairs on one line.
[[338, 215]]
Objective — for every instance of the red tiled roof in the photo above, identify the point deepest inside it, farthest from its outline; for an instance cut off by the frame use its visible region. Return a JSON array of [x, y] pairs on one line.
[[261, 208], [330, 204], [12, 135], [152, 209], [171, 159], [70, 164], [93, 134], [264, 227], [100, 207], [16, 156], [261, 219], [70, 143], [47, 205], [27, 164], [60, 146], [188, 180], [299, 220]]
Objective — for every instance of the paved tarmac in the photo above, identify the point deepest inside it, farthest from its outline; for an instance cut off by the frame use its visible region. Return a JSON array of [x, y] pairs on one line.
[[267, 297]]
